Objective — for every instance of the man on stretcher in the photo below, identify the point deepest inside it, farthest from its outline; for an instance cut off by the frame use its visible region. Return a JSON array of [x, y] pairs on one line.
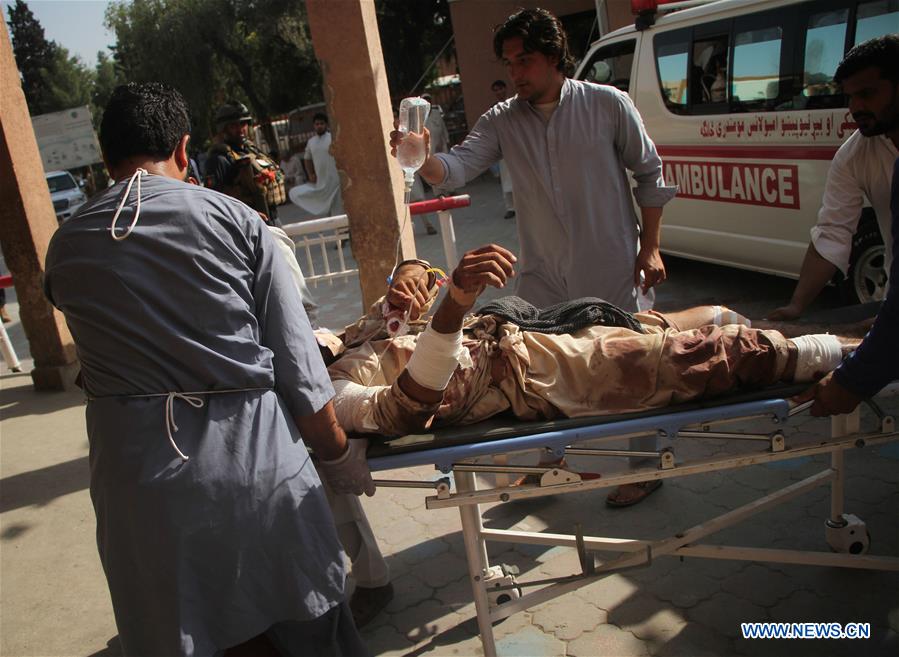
[[460, 368]]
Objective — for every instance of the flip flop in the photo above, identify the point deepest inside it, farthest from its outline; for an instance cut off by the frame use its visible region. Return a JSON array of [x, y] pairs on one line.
[[647, 487]]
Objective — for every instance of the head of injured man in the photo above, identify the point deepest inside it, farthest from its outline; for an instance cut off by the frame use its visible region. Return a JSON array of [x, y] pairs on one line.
[[869, 77], [145, 122]]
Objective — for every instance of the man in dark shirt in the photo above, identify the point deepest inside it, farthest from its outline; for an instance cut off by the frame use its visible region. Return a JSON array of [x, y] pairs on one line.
[[876, 361]]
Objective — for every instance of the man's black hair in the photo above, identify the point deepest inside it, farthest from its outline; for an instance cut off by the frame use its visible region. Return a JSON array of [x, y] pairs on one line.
[[498, 83], [540, 31], [320, 116], [143, 119], [881, 52]]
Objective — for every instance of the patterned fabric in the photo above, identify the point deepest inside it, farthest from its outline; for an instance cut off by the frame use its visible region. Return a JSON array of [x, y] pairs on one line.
[[565, 317]]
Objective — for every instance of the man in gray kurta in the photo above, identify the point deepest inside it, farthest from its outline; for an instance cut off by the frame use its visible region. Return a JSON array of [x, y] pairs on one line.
[[567, 145], [203, 381]]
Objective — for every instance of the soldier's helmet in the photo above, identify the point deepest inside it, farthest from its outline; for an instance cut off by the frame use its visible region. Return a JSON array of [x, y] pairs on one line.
[[231, 112]]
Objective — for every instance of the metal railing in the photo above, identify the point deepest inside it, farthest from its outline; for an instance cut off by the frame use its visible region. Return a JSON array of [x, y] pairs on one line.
[[319, 242]]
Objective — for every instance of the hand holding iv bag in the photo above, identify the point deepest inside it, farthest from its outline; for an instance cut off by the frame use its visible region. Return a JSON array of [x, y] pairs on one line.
[[412, 151]]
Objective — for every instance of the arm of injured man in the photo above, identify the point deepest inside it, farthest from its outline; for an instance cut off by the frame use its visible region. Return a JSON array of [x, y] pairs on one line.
[[410, 403]]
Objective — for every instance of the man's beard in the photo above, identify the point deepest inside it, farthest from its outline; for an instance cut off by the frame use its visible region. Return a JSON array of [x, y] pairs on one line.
[[877, 127], [880, 126]]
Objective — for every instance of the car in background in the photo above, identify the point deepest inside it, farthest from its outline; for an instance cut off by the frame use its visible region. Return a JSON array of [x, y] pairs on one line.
[[66, 194]]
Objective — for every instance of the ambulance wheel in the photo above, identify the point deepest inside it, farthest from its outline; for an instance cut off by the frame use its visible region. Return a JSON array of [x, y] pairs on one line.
[[867, 278]]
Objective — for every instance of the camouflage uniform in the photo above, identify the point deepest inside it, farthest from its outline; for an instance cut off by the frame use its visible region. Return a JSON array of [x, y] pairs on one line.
[[242, 170], [594, 371]]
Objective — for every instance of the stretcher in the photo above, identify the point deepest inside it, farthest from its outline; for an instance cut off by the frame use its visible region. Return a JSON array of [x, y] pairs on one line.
[[464, 452]]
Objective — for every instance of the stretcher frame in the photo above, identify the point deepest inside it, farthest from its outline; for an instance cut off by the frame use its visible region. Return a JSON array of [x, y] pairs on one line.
[[497, 595]]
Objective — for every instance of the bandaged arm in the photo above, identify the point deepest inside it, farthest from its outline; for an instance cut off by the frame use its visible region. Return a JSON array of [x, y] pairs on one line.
[[410, 404]]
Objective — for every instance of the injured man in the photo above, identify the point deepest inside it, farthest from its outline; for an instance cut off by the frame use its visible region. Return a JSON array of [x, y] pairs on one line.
[[395, 373], [581, 358]]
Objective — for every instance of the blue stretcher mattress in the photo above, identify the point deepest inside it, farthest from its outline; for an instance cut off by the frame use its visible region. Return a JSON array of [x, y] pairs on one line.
[[503, 434]]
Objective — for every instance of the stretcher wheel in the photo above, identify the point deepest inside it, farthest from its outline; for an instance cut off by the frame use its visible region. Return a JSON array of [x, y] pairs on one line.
[[850, 536], [501, 577]]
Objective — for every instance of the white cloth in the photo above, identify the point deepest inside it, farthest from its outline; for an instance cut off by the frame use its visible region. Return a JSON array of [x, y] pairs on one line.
[[370, 569], [321, 198], [288, 250], [505, 180], [576, 223], [862, 167], [293, 169], [819, 353], [437, 127]]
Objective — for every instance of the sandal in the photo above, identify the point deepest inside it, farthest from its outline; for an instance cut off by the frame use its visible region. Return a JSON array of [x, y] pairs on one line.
[[646, 488]]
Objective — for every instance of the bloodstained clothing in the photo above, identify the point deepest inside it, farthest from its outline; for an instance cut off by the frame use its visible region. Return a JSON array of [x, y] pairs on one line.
[[596, 370]]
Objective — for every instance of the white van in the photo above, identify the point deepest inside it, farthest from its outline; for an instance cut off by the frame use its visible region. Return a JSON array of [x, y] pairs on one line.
[[738, 96]]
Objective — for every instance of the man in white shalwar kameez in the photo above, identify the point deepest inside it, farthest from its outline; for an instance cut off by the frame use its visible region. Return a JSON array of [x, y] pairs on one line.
[[320, 196]]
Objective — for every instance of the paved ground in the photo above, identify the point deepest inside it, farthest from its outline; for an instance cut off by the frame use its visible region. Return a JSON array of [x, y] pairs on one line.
[[54, 599]]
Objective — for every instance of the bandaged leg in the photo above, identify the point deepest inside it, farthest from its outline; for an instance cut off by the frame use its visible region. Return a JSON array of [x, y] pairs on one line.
[[370, 569], [818, 355]]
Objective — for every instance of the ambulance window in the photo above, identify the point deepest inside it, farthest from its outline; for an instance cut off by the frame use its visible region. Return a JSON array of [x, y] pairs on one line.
[[875, 19], [672, 58], [756, 66], [708, 75], [825, 36], [612, 65]]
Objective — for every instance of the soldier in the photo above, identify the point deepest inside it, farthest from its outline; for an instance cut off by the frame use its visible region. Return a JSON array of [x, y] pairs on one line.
[[236, 167]]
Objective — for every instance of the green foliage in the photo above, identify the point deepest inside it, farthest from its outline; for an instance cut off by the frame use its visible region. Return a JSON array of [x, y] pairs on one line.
[[69, 82], [52, 79], [34, 55], [106, 78], [256, 51]]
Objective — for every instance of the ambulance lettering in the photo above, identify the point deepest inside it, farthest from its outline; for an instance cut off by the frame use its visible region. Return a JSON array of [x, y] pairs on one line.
[[773, 185]]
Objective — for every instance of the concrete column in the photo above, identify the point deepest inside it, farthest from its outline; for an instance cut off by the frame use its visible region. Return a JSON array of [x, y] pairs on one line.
[[346, 42], [27, 222]]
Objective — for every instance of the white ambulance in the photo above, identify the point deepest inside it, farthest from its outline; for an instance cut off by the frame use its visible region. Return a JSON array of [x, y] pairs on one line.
[[739, 97]]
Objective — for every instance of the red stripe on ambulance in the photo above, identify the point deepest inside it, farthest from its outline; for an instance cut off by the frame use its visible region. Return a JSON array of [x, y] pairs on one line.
[[773, 185], [752, 152]]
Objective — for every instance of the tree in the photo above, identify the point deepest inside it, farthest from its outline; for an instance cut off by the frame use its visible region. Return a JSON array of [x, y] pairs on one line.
[[106, 78], [34, 54], [51, 79], [256, 51], [68, 82]]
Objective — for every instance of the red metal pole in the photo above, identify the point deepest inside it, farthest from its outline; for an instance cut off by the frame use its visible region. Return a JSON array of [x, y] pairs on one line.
[[440, 204]]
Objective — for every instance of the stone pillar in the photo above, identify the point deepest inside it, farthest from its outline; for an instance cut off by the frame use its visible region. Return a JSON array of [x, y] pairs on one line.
[[27, 222], [346, 42]]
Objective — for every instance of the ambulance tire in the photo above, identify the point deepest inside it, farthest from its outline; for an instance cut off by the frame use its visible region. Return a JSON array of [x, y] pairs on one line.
[[867, 279]]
